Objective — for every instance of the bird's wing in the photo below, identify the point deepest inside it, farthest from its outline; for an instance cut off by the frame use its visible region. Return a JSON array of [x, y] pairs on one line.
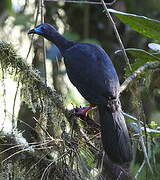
[[90, 69]]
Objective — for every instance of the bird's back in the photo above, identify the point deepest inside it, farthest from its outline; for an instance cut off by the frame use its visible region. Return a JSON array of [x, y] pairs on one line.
[[90, 69]]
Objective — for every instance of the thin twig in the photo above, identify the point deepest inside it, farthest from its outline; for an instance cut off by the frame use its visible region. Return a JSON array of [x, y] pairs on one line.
[[43, 45], [34, 145], [41, 148], [140, 169], [14, 104], [21, 121], [78, 159], [141, 139], [47, 133], [144, 150], [83, 2], [16, 146], [64, 154], [144, 125], [46, 142], [131, 117], [133, 76], [4, 92], [42, 157], [117, 35], [36, 20], [23, 150]]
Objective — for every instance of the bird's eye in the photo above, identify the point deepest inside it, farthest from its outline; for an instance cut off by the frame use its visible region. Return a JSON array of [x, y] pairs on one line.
[[43, 28]]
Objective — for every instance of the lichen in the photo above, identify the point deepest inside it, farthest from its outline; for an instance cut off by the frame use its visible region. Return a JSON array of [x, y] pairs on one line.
[[34, 91]]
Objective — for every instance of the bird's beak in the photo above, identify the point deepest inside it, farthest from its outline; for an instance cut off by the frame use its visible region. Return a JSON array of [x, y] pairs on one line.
[[32, 31]]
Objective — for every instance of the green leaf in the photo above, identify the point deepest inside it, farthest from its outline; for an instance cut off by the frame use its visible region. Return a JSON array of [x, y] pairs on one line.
[[144, 25], [141, 58], [153, 124], [143, 55], [87, 157], [86, 162]]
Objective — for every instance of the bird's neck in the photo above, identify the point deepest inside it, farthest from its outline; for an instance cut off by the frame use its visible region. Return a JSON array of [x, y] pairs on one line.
[[61, 42]]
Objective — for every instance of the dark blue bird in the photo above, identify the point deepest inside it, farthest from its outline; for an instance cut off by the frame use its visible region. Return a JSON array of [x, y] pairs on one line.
[[91, 71]]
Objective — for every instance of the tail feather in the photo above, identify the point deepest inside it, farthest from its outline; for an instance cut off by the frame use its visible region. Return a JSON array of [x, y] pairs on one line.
[[114, 133]]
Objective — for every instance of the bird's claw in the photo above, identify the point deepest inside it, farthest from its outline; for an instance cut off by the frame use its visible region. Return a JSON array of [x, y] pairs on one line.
[[81, 112]]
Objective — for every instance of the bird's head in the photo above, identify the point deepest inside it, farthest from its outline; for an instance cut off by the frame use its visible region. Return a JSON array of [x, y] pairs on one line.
[[43, 29], [51, 34]]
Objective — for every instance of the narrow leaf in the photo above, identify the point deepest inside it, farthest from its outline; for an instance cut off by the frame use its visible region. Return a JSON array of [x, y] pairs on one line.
[[154, 47], [144, 25], [151, 132], [142, 54], [141, 58]]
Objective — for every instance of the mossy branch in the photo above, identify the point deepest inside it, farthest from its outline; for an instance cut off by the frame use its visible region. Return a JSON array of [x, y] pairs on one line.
[[36, 93], [28, 161], [29, 77]]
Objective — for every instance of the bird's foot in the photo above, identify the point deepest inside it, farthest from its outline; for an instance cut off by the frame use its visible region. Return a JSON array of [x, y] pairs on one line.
[[82, 112], [89, 125]]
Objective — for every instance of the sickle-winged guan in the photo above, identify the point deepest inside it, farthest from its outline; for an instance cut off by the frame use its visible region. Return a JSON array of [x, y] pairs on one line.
[[91, 71]]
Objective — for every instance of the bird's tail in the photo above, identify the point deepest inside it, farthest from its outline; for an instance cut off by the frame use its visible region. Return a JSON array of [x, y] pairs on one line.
[[114, 134]]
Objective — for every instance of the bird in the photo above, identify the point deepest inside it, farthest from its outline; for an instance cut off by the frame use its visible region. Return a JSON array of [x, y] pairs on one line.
[[92, 72]]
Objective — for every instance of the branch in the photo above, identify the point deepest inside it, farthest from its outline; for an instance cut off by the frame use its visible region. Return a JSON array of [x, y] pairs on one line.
[[82, 2], [28, 160], [32, 84], [41, 4], [36, 19], [140, 169], [117, 35], [28, 75], [140, 70]]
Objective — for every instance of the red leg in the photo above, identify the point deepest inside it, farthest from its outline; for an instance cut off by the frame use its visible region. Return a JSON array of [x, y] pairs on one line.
[[82, 112]]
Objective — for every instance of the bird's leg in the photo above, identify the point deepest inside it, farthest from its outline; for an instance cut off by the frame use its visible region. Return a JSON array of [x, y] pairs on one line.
[[83, 111]]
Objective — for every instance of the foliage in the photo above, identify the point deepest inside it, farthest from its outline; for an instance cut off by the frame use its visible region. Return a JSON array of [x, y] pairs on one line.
[[144, 25], [75, 152], [141, 58]]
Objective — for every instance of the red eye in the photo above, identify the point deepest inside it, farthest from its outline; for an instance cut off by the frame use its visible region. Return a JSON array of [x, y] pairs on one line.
[[43, 28]]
